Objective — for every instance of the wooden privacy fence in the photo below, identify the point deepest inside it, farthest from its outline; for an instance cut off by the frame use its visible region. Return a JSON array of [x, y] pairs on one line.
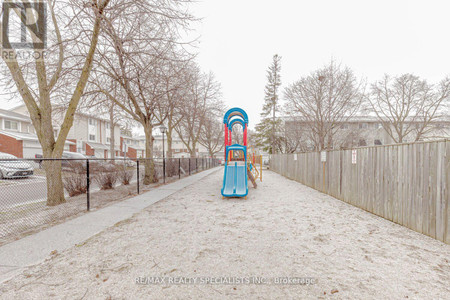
[[405, 183]]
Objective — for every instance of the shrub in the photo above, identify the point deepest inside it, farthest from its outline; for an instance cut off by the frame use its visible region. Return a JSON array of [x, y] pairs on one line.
[[171, 167], [125, 175], [106, 179], [76, 182]]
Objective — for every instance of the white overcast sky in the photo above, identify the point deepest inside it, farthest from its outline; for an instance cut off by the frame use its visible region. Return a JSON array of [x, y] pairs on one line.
[[239, 38]]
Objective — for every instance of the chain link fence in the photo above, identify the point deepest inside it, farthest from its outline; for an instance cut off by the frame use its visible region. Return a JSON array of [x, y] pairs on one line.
[[89, 184]]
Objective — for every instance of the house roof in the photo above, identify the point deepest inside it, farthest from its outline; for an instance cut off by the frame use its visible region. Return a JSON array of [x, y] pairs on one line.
[[14, 116], [365, 118], [60, 109], [139, 148], [22, 136], [98, 146]]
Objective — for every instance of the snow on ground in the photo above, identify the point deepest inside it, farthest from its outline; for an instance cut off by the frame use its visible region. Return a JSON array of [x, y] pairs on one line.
[[282, 229]]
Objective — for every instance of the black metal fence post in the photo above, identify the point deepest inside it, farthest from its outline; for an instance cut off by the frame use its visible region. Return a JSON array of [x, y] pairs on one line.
[[189, 166], [88, 195], [196, 165], [179, 168], [164, 170], [137, 175]]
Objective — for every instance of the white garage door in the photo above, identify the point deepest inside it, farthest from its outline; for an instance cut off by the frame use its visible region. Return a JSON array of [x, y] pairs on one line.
[[29, 152]]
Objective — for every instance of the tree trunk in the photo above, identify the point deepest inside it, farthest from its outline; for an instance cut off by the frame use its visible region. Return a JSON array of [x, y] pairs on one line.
[[273, 128], [193, 152], [55, 186], [330, 141], [169, 143], [149, 175], [50, 149], [112, 140], [321, 142]]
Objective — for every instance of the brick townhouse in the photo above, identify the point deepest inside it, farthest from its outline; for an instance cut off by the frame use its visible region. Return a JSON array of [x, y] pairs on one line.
[[130, 146], [18, 137], [89, 134], [179, 149]]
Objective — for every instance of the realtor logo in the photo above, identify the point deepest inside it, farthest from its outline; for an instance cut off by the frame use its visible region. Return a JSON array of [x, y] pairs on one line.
[[24, 25]]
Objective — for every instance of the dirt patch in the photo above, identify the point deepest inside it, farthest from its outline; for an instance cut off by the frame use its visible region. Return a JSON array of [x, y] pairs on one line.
[[282, 229]]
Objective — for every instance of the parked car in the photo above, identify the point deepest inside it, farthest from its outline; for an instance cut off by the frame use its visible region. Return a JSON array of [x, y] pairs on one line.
[[66, 164], [120, 160], [12, 168], [75, 160]]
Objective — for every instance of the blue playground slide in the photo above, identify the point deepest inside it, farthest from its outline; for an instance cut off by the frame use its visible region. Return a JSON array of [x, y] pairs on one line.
[[235, 176], [235, 181]]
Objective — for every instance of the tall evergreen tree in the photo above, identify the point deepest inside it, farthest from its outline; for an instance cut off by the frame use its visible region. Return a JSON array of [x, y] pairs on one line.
[[266, 130]]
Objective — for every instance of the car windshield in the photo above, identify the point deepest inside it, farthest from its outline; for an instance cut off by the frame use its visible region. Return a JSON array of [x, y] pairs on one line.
[[74, 155]]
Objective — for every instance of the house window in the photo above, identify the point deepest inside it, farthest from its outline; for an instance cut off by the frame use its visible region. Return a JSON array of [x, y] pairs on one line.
[[91, 122], [377, 142], [362, 143], [378, 125], [11, 125], [108, 140], [363, 126], [92, 137], [344, 126], [107, 125]]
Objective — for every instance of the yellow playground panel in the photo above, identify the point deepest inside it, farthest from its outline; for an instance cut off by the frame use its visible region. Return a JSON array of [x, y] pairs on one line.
[[252, 164], [253, 161]]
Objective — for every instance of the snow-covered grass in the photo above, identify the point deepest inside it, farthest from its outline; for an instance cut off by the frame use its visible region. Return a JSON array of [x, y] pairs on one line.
[[282, 229]]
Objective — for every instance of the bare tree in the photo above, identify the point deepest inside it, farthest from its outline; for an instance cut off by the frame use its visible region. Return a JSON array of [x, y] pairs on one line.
[[100, 104], [212, 135], [37, 81], [237, 136], [201, 100], [177, 94], [294, 137], [407, 105], [323, 100], [137, 54]]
